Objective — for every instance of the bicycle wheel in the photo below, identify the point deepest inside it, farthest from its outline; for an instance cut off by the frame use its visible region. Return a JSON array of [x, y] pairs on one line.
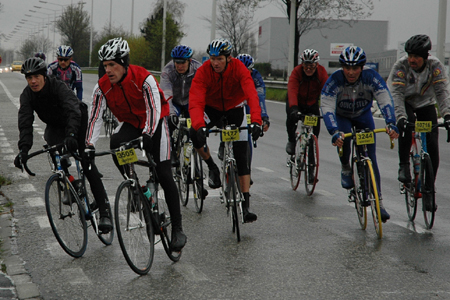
[[372, 192], [234, 191], [134, 228], [66, 220], [197, 184], [295, 168], [105, 238], [358, 192], [165, 228], [312, 161], [428, 194], [411, 189]]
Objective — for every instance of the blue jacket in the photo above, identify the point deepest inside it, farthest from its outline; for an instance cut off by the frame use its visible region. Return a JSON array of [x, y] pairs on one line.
[[341, 98]]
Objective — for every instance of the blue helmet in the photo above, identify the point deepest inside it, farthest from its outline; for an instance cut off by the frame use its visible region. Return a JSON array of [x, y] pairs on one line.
[[181, 52], [219, 47], [353, 56], [64, 51], [40, 55], [247, 59]]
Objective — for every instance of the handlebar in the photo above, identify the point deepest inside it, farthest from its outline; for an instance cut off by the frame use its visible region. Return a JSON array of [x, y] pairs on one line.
[[352, 134], [47, 148], [413, 125]]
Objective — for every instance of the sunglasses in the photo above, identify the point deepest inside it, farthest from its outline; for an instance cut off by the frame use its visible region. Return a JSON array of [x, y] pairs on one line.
[[179, 61], [309, 66], [63, 59]]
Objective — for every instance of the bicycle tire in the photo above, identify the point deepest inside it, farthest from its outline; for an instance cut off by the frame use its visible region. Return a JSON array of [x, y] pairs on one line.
[[234, 190], [134, 228], [105, 238], [359, 196], [372, 190], [165, 228], [428, 192], [197, 184], [311, 165], [67, 221], [295, 165], [411, 191]]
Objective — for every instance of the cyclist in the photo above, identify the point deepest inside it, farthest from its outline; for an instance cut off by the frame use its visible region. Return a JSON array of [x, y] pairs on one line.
[[304, 87], [66, 120], [219, 90], [40, 55], [260, 86], [67, 70], [134, 97], [346, 101], [416, 81]]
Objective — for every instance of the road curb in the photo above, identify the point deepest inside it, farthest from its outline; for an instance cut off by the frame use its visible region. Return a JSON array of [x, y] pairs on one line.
[[16, 283]]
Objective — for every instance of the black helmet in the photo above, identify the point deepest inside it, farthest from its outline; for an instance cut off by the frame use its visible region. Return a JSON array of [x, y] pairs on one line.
[[33, 66], [418, 44]]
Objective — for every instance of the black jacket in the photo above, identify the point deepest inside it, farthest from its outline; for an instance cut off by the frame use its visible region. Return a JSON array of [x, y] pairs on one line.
[[56, 105]]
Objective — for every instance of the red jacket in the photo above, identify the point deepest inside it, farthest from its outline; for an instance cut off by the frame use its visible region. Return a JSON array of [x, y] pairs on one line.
[[133, 99], [222, 91], [304, 90]]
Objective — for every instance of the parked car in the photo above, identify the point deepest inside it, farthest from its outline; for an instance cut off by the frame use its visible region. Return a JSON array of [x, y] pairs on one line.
[[16, 65]]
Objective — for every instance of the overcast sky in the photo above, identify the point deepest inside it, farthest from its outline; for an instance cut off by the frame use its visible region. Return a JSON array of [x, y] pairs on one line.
[[406, 17]]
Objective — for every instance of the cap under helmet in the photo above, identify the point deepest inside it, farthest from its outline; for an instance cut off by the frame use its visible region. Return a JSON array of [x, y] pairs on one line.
[[40, 55], [418, 44], [247, 59], [64, 51], [33, 66], [181, 52], [310, 56], [352, 56], [219, 47], [114, 49]]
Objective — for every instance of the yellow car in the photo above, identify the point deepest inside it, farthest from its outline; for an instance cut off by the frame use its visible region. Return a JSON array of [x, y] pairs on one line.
[[16, 65]]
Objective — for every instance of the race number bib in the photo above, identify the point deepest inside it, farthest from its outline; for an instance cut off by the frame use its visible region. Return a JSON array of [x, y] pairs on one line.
[[310, 121], [126, 156], [229, 135], [188, 122], [365, 138], [249, 119], [423, 126]]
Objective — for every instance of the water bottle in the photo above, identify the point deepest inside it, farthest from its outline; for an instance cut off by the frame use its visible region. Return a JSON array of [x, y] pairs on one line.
[[187, 153], [416, 160], [146, 191]]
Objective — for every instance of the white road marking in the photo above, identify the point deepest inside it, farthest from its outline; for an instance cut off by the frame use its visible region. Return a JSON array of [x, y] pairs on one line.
[[14, 100], [36, 201], [43, 221], [27, 187], [5, 145], [190, 273], [75, 276], [264, 169], [9, 157], [7, 150]]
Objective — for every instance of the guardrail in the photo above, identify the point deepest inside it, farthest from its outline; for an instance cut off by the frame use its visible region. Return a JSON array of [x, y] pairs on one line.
[[275, 84]]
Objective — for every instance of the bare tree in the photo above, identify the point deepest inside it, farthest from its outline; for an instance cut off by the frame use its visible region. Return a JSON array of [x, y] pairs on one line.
[[74, 26], [316, 14], [235, 22], [35, 43]]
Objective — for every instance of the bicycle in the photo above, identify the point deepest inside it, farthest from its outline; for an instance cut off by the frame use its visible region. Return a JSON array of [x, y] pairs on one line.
[[139, 217], [190, 167], [365, 191], [306, 157], [109, 121], [422, 181], [68, 202], [231, 190]]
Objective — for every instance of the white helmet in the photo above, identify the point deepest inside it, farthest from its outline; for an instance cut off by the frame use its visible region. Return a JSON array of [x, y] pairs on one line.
[[114, 49]]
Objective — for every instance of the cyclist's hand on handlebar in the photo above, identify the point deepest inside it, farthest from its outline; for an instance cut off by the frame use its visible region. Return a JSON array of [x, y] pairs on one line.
[[401, 125], [202, 133], [90, 152], [266, 123], [338, 139], [447, 122], [256, 131], [392, 131], [20, 159], [293, 114], [71, 143], [173, 123]]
